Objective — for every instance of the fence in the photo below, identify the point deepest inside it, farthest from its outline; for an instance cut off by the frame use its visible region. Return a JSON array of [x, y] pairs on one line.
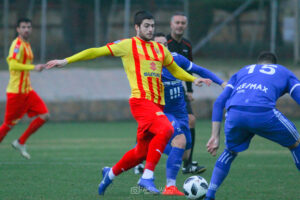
[[228, 28]]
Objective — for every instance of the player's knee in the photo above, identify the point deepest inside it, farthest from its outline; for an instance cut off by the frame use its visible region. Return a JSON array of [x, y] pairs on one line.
[[179, 141], [192, 120]]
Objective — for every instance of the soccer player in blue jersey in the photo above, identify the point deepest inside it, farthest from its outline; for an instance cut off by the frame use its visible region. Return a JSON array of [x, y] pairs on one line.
[[250, 99], [175, 110]]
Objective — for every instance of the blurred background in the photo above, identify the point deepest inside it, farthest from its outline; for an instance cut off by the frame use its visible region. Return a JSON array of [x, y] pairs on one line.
[[225, 34]]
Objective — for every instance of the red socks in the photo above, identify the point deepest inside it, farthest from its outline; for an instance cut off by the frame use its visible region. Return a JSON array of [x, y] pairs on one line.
[[4, 129], [156, 149], [129, 160], [33, 126]]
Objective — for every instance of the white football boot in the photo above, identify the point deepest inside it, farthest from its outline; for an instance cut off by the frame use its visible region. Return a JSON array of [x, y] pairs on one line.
[[21, 148]]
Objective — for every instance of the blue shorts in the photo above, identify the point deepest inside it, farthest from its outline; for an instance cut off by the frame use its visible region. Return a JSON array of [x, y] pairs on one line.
[[180, 123], [241, 126]]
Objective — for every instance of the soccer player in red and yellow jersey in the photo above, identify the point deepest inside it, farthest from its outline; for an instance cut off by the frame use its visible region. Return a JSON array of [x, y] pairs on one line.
[[21, 98], [143, 60]]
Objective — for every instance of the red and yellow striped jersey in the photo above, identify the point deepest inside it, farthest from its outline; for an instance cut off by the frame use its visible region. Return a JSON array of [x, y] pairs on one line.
[[143, 62], [19, 53]]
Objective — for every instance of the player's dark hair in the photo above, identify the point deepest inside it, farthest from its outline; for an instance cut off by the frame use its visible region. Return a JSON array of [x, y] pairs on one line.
[[24, 19], [266, 56], [140, 16], [159, 34]]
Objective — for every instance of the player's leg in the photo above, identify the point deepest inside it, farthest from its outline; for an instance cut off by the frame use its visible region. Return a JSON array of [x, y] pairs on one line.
[[148, 115], [14, 111], [281, 130], [220, 172], [38, 109], [295, 150], [193, 167], [173, 164], [162, 130], [4, 129], [237, 140], [129, 160]]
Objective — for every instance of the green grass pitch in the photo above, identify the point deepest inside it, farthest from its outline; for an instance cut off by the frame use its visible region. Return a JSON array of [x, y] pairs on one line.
[[67, 158]]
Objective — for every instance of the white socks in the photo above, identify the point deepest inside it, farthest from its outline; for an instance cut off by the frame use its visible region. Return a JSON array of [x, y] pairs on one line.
[[148, 174], [111, 174], [171, 182]]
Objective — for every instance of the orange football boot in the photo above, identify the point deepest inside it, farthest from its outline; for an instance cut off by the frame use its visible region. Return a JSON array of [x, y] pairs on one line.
[[172, 190]]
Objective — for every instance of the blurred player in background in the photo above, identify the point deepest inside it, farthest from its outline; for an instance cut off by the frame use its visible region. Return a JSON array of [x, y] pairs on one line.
[[21, 98], [250, 99], [177, 43], [175, 110], [143, 61]]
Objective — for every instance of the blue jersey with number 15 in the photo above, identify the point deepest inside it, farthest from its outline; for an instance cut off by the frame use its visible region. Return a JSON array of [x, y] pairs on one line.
[[260, 85]]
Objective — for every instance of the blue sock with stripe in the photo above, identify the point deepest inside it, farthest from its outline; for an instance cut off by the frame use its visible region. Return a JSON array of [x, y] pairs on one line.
[[220, 172], [296, 155], [173, 165]]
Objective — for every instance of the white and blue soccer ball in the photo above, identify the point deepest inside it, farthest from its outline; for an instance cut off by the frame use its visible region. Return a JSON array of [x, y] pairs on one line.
[[195, 187]]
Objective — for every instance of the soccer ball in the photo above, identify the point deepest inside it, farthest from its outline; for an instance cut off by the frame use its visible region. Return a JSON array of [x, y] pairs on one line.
[[195, 187]]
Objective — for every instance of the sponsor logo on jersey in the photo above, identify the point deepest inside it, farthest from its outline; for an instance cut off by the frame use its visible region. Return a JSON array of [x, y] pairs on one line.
[[251, 86], [117, 41], [153, 66], [153, 74]]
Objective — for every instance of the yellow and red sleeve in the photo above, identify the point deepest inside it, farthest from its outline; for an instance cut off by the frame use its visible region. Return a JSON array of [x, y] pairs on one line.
[[120, 48], [179, 73], [89, 54]]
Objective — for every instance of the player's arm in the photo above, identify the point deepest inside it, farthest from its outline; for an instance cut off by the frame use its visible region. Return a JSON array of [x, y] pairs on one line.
[[295, 93], [179, 73], [87, 54], [201, 71], [15, 65], [293, 86], [217, 115]]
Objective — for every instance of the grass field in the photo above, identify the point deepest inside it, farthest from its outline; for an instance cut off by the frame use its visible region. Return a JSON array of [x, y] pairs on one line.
[[67, 158]]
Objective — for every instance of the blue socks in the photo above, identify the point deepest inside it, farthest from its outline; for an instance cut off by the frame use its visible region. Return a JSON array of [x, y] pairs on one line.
[[220, 172], [173, 165], [296, 155], [168, 149]]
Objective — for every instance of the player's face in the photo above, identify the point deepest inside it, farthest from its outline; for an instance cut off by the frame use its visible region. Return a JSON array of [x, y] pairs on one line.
[[178, 24], [161, 40], [24, 30], [146, 30]]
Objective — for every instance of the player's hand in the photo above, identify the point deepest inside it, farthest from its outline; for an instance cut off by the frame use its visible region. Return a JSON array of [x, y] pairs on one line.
[[190, 96], [223, 85], [213, 145], [39, 67], [56, 63], [199, 81]]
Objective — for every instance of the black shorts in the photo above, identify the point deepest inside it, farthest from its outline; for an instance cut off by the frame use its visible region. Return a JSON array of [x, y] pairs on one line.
[[188, 105]]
